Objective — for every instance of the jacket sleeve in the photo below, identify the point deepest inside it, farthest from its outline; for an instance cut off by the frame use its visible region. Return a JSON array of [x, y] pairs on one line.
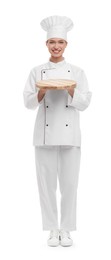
[[30, 92], [82, 96]]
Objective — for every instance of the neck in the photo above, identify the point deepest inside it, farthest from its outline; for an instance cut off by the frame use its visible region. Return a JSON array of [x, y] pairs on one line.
[[58, 59]]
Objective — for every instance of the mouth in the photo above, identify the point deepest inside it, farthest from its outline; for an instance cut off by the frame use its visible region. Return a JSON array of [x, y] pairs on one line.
[[56, 51]]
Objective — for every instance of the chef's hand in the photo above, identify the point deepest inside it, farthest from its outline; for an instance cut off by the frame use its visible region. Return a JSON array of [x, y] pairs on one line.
[[70, 91], [41, 94]]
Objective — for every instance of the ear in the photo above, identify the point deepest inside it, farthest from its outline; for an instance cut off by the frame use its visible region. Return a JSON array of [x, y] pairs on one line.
[[66, 44], [46, 42]]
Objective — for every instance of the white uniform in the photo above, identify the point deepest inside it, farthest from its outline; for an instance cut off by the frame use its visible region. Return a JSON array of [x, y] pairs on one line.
[[63, 163], [57, 121], [57, 126]]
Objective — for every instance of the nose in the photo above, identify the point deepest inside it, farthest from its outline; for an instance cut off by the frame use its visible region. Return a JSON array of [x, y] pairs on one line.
[[56, 46]]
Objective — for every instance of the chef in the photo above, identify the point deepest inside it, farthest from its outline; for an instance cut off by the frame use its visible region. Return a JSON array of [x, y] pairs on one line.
[[57, 134]]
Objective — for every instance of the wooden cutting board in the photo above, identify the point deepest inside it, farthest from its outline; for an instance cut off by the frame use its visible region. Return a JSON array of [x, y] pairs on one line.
[[55, 83]]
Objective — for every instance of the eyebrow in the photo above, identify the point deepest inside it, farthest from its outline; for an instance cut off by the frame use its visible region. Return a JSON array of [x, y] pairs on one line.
[[57, 41]]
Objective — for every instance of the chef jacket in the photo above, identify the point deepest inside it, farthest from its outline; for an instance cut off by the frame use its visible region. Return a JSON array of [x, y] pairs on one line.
[[58, 119]]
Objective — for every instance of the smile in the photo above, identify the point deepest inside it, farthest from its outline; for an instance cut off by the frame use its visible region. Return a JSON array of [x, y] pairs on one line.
[[55, 51]]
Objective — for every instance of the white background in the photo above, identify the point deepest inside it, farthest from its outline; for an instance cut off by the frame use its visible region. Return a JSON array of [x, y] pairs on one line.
[[22, 46]]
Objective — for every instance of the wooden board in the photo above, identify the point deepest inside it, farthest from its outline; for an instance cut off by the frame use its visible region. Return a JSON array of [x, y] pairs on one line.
[[55, 83]]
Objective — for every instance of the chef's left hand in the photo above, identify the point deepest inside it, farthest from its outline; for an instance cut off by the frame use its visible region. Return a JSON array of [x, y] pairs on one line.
[[71, 91]]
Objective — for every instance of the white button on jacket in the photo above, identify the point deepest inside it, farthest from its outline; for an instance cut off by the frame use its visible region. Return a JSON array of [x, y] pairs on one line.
[[57, 120]]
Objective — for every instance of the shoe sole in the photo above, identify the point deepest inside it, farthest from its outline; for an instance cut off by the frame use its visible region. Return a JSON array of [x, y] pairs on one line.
[[54, 245], [65, 245]]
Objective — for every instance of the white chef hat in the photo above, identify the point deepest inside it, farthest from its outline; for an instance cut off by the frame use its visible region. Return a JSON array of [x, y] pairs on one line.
[[57, 26]]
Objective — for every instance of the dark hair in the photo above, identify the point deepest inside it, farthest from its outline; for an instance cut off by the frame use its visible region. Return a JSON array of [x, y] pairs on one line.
[[61, 39]]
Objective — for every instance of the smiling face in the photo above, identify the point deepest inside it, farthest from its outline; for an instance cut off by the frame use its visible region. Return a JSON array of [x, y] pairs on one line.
[[56, 47]]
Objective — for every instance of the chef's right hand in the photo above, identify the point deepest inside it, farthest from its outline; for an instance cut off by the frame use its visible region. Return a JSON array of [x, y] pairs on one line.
[[43, 90], [41, 94]]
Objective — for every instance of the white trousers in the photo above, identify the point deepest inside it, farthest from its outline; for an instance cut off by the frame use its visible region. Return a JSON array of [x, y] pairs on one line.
[[64, 163]]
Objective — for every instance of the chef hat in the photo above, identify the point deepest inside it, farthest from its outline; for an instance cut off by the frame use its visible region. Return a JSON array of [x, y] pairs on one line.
[[57, 26]]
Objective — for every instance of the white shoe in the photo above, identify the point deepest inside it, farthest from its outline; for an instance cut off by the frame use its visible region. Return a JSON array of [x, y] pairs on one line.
[[54, 238], [65, 239]]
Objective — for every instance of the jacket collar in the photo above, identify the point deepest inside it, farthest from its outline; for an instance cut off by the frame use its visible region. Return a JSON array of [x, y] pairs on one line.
[[56, 65]]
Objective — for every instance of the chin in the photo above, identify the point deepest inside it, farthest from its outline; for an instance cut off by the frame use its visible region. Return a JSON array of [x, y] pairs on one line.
[[56, 55]]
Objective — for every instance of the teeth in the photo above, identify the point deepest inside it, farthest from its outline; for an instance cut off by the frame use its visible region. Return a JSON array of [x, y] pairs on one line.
[[56, 51]]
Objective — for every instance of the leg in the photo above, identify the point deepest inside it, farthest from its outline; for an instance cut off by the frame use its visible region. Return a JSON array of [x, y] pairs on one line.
[[46, 170], [69, 164]]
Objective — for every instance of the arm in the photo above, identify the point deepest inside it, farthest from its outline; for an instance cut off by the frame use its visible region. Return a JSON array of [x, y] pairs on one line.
[[30, 93], [82, 96]]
